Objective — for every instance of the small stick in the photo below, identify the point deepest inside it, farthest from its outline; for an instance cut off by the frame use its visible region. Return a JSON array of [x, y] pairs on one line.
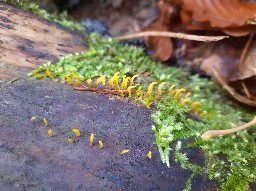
[[246, 50], [173, 35], [215, 133], [101, 91]]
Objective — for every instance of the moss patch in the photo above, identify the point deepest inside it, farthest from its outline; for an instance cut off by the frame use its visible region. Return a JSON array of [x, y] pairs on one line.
[[229, 159], [60, 18]]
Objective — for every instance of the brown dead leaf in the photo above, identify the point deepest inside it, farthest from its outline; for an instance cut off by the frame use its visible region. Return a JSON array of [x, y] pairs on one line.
[[224, 57], [238, 95], [231, 63], [247, 61], [228, 16], [162, 46]]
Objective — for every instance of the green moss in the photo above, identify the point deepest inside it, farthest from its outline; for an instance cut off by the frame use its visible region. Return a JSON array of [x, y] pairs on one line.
[[230, 159], [60, 18]]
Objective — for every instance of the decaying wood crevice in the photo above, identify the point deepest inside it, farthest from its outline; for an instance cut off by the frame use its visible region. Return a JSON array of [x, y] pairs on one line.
[[28, 41]]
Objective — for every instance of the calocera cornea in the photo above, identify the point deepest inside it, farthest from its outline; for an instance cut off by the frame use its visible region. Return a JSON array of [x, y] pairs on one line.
[[127, 87], [101, 144], [77, 132], [45, 122], [91, 139], [70, 140], [33, 118], [50, 133], [149, 154], [124, 151]]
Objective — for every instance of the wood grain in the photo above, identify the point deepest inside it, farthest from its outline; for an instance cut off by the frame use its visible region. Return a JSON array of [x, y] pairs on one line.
[[28, 41]]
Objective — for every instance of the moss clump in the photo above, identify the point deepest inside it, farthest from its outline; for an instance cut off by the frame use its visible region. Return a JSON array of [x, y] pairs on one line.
[[229, 159], [60, 18]]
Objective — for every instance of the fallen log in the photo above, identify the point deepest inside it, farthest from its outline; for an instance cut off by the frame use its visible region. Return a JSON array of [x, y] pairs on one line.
[[28, 41]]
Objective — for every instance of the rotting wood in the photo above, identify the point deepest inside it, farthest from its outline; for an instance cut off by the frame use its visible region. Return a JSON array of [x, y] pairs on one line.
[[28, 41]]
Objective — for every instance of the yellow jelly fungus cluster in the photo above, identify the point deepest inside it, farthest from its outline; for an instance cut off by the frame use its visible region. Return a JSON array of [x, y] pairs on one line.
[[78, 134], [126, 86], [50, 131], [74, 79]]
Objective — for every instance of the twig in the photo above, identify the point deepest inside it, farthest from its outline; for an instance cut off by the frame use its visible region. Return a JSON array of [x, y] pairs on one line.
[[230, 90], [173, 35], [215, 133], [246, 90], [101, 91], [245, 50]]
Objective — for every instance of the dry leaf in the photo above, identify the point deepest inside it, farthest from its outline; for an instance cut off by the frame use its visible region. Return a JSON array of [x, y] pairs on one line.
[[219, 15], [162, 46]]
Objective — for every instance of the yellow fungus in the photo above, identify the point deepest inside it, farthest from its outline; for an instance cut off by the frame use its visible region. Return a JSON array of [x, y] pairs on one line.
[[91, 139], [77, 82], [129, 89], [50, 75], [74, 75], [124, 151], [100, 144], [187, 95], [33, 118], [89, 82], [195, 104], [116, 78], [124, 83], [50, 132], [102, 80], [69, 80], [184, 101], [149, 155], [195, 107], [178, 93], [150, 88], [170, 90], [70, 140], [149, 101], [45, 122], [77, 132], [132, 80], [111, 83], [140, 92], [159, 88]]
